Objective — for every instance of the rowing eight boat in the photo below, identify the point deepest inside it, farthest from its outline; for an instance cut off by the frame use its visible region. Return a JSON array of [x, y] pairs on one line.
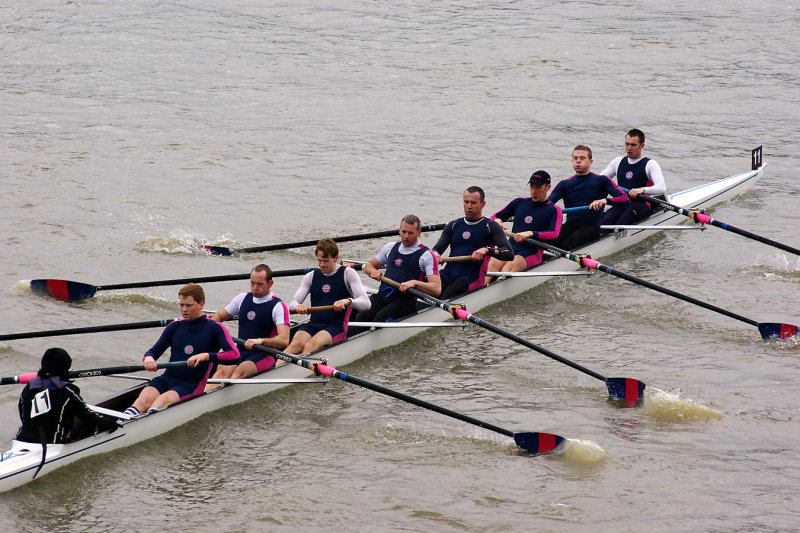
[[17, 465]]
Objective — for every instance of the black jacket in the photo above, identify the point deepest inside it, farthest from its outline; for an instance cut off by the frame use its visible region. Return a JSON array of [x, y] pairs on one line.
[[68, 418]]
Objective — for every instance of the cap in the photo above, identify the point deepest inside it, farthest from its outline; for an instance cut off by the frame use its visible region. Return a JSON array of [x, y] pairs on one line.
[[55, 362], [540, 177]]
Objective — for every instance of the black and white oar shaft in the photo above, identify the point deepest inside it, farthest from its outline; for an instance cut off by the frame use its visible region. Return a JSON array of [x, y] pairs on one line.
[[222, 250], [768, 330], [71, 291], [702, 218], [90, 372], [87, 329], [629, 390], [531, 442]]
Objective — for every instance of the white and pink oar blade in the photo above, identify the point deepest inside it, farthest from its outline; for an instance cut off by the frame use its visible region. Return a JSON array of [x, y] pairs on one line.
[[777, 331]]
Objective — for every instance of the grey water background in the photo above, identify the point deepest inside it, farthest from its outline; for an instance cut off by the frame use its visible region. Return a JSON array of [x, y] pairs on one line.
[[132, 130]]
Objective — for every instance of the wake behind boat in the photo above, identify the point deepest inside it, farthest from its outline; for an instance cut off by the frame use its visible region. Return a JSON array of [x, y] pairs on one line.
[[17, 465]]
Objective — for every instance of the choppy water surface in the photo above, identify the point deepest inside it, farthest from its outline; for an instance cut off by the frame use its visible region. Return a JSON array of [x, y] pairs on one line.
[[132, 131]]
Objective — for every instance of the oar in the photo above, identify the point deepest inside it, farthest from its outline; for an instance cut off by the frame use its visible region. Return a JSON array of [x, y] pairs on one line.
[[73, 290], [531, 442], [88, 329], [768, 330], [316, 309], [222, 250], [631, 391], [705, 219], [574, 209], [91, 372], [457, 259]]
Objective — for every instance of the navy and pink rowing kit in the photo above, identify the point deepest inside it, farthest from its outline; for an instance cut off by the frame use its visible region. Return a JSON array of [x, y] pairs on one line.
[[541, 218], [186, 338], [464, 237], [579, 191]]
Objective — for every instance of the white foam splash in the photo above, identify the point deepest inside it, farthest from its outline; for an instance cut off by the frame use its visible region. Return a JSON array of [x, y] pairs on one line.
[[665, 406], [584, 452]]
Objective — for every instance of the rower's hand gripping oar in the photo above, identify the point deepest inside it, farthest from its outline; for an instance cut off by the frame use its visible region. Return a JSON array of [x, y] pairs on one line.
[[629, 390], [768, 330], [91, 372], [531, 442], [222, 250], [67, 291]]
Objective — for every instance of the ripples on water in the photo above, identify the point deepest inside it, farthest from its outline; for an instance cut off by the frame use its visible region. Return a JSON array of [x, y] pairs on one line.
[[134, 132]]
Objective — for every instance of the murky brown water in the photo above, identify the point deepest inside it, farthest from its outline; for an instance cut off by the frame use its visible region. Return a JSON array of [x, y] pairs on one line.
[[131, 131]]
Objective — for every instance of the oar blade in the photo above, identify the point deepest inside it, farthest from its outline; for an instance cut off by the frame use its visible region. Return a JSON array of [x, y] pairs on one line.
[[63, 290], [536, 443], [216, 250], [628, 390], [777, 331]]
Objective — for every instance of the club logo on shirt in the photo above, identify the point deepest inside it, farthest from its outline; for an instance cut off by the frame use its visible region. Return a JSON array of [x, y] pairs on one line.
[[251, 315], [466, 235], [528, 219], [629, 174], [326, 288], [189, 349], [398, 262]]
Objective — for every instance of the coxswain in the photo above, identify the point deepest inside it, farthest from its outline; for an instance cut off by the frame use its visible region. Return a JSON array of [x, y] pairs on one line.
[[51, 408]]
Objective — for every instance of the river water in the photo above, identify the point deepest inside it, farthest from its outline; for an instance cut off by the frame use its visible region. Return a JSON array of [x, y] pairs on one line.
[[132, 130]]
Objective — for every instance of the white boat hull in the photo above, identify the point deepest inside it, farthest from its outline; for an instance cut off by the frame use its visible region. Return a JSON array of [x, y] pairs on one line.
[[18, 465]]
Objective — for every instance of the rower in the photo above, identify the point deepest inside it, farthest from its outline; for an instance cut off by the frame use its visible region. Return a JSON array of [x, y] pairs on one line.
[[408, 262], [331, 284], [263, 320], [193, 338], [534, 217], [584, 188], [51, 408], [640, 175], [474, 235]]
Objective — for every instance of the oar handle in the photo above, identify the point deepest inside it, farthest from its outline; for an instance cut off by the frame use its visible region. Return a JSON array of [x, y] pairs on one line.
[[91, 372], [312, 309], [456, 259], [574, 209]]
